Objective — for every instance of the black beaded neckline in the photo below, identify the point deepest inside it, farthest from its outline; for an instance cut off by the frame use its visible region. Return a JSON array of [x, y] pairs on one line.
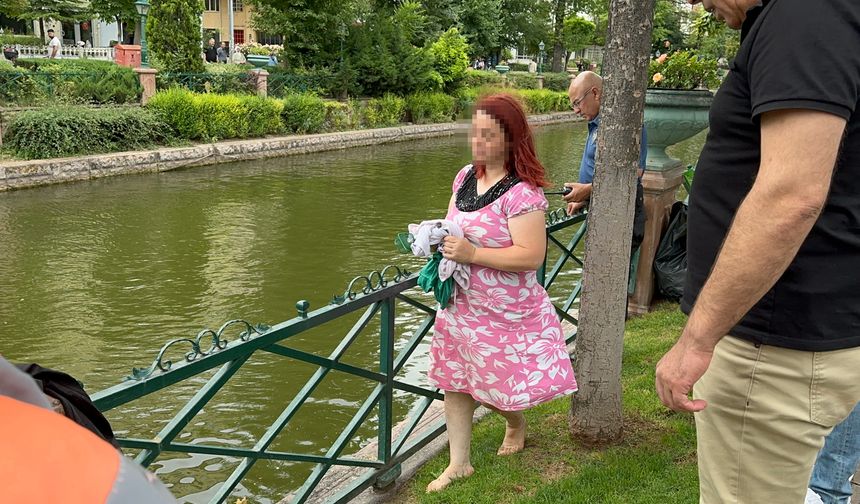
[[468, 199]]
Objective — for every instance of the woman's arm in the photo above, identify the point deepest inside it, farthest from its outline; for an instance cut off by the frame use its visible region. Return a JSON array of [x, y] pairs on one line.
[[528, 233]]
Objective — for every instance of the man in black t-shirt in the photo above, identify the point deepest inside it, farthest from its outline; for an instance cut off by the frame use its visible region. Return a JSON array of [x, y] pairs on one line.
[[772, 344]]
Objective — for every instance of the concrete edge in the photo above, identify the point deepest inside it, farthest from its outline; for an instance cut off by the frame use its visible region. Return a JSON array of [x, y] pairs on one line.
[[41, 172]]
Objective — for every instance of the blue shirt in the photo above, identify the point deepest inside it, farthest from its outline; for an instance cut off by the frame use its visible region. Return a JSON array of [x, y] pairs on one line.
[[586, 166]]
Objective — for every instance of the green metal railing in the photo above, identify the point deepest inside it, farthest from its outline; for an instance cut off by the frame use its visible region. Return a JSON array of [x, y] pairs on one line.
[[209, 82], [281, 84], [375, 296]]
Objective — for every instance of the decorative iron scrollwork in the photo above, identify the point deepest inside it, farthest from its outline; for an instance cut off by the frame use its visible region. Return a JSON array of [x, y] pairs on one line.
[[215, 339], [376, 280]]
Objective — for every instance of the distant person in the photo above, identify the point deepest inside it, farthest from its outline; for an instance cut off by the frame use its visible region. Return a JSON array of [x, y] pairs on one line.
[[223, 52], [55, 46], [211, 52], [273, 59], [11, 54]]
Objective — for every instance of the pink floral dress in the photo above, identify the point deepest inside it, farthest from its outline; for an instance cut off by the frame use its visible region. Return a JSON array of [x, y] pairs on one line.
[[500, 340]]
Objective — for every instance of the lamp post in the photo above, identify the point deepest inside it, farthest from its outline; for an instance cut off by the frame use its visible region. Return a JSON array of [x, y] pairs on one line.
[[541, 47], [142, 7]]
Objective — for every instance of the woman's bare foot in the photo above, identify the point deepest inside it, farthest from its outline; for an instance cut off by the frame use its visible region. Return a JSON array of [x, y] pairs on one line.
[[515, 436], [448, 475]]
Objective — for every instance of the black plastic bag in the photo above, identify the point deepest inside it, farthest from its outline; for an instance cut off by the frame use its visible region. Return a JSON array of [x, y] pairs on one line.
[[670, 261]]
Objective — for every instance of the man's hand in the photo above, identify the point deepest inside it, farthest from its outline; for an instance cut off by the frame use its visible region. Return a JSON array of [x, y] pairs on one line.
[[579, 193], [678, 371], [574, 206]]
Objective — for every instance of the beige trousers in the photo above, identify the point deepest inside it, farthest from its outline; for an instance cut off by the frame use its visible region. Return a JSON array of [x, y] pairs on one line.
[[769, 409]]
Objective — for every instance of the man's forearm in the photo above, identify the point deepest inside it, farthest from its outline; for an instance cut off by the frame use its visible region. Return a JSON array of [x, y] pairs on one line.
[[762, 241]]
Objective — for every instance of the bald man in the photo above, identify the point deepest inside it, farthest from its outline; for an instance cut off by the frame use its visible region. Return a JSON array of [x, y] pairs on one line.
[[585, 93]]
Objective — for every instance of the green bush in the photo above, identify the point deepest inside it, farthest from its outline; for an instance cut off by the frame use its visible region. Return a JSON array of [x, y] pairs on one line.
[[71, 130], [179, 109], [426, 108], [71, 81], [556, 81], [173, 31], [216, 117], [210, 82], [340, 116], [264, 115], [451, 58], [383, 112], [519, 67], [544, 101], [303, 113], [27, 40], [683, 70], [478, 78], [523, 80]]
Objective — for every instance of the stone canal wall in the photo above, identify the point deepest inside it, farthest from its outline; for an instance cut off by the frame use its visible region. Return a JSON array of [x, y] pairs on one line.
[[24, 174]]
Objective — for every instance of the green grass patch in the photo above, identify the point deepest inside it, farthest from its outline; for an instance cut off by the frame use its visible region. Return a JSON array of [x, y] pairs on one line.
[[655, 462]]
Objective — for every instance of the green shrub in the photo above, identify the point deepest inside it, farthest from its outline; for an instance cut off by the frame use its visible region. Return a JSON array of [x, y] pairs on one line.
[[74, 81], [223, 116], [216, 117], [70, 130], [430, 108], [179, 109], [519, 67], [210, 82], [556, 81], [303, 113], [264, 115], [340, 116], [173, 31], [451, 58], [27, 40], [478, 78], [523, 80], [544, 101], [384, 112]]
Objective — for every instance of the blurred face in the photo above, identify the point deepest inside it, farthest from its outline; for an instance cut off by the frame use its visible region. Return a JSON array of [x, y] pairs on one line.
[[733, 12], [585, 100], [487, 139], [212, 42]]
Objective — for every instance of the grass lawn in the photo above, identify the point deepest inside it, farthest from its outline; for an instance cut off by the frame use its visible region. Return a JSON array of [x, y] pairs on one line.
[[655, 463]]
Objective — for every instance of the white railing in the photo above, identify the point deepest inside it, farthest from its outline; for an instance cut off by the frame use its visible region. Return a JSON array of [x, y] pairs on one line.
[[98, 53]]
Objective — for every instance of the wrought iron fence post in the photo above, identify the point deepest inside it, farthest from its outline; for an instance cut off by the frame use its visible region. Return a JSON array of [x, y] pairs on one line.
[[386, 403]]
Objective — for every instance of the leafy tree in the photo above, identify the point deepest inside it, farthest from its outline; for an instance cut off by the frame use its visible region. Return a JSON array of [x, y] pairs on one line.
[[58, 10], [451, 58], [119, 10], [669, 15], [711, 38], [173, 34], [578, 33], [479, 23], [441, 15], [525, 23]]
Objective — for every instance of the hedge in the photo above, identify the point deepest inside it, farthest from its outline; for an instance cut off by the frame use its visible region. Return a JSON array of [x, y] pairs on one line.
[[43, 81], [424, 108], [73, 130], [303, 113], [208, 116]]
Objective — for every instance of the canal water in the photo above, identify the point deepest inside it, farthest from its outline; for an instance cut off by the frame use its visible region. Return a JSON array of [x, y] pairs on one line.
[[95, 276]]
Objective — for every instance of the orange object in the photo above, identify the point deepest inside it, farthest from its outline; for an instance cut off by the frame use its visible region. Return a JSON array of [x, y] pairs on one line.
[[127, 55], [48, 458]]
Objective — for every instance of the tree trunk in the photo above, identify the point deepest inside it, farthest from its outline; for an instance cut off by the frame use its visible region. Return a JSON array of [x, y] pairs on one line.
[[596, 416], [558, 29]]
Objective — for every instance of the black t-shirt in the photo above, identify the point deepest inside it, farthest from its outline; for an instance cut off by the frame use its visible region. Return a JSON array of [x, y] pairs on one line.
[[798, 54], [211, 54]]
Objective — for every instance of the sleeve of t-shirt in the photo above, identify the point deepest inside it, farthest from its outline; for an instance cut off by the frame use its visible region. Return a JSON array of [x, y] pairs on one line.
[[522, 199], [806, 56], [461, 176]]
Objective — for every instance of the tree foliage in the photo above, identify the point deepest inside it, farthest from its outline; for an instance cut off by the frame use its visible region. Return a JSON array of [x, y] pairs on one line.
[[451, 58], [120, 10], [578, 33], [173, 34], [58, 10]]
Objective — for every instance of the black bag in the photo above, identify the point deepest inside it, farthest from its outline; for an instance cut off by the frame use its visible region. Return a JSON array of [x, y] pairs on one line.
[[77, 405], [670, 261]]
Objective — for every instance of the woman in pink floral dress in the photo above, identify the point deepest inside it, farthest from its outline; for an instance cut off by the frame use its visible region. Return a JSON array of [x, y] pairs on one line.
[[499, 341]]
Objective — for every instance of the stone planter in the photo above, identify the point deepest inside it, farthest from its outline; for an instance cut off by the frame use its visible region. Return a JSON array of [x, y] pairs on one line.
[[673, 116]]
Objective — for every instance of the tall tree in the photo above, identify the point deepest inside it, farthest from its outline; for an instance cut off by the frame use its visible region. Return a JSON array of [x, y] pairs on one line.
[[173, 34], [117, 10], [559, 13], [479, 23], [578, 33], [58, 10], [669, 16], [596, 415]]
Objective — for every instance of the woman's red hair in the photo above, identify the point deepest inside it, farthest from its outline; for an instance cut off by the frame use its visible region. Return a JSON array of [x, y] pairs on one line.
[[521, 159]]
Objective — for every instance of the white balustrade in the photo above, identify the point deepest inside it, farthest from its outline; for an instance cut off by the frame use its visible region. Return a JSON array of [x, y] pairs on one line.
[[97, 53]]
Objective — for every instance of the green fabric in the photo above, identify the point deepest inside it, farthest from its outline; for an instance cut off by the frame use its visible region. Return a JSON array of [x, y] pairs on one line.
[[428, 279]]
